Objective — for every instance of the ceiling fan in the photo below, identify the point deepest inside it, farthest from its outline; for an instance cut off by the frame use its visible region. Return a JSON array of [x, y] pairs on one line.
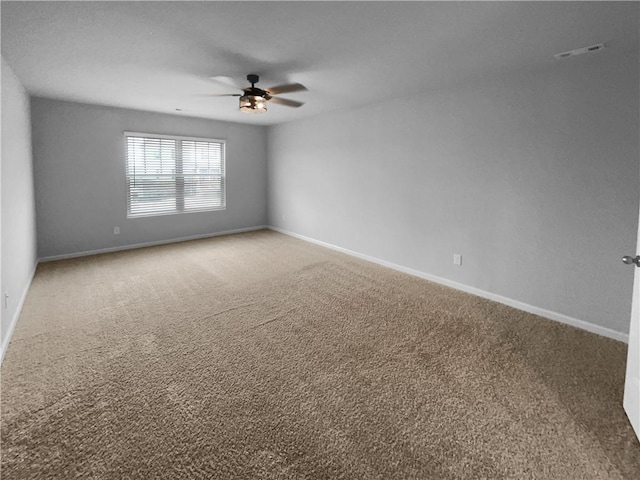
[[254, 99]]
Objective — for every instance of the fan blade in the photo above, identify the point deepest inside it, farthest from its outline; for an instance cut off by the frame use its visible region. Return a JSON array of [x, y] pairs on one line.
[[292, 87], [218, 94], [285, 101]]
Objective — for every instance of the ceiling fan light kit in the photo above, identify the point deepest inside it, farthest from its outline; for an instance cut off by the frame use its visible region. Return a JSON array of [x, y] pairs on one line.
[[253, 104]]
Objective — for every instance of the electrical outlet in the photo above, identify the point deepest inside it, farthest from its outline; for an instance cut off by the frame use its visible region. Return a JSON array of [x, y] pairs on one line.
[[116, 230], [284, 217], [457, 259], [6, 300]]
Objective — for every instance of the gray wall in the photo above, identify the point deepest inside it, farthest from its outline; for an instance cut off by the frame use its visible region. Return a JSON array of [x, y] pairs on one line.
[[18, 258], [80, 177], [532, 177]]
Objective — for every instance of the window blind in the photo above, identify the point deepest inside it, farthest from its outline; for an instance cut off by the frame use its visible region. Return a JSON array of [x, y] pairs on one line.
[[168, 175]]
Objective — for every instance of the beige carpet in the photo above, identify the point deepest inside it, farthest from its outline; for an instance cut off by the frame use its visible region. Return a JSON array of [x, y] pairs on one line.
[[258, 356]]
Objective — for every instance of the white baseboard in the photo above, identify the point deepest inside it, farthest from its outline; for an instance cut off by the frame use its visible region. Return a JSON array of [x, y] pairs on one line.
[[148, 244], [14, 320], [558, 317]]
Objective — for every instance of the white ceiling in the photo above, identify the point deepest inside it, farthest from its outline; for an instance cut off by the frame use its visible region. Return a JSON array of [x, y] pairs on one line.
[[157, 56]]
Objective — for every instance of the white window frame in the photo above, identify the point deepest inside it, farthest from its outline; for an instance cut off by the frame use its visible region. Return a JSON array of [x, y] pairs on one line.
[[177, 138]]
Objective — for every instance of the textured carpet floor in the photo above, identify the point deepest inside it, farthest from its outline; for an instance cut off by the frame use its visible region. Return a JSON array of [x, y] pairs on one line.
[[258, 356]]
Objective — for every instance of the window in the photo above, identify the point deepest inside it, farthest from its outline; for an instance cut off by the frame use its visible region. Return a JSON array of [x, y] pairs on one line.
[[168, 174]]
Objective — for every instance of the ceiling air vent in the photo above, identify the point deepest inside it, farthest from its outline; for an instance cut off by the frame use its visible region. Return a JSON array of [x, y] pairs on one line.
[[580, 51]]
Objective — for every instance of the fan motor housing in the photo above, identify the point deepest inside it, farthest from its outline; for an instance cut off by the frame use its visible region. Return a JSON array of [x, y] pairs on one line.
[[256, 92]]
